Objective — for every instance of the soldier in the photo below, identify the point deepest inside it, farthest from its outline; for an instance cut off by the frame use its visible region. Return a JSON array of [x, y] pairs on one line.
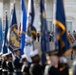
[[0, 63], [35, 68], [17, 63], [64, 68], [4, 65], [73, 46], [53, 67], [25, 66], [47, 66], [38, 36], [74, 64], [74, 33], [10, 66]]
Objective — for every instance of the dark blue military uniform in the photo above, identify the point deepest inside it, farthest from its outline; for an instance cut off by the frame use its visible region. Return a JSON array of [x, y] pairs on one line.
[[0, 66], [53, 71], [4, 68], [17, 65], [25, 69], [10, 68], [36, 69]]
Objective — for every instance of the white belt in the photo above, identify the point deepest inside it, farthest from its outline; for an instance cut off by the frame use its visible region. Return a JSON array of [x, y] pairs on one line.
[[17, 70], [4, 70], [0, 68]]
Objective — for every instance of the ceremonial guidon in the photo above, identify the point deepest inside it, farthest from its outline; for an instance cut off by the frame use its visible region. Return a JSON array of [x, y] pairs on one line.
[[13, 36]]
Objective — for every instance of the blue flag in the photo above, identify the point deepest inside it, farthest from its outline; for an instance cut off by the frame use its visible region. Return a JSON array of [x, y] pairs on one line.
[[62, 42], [13, 36], [31, 15], [5, 37], [33, 29], [44, 32], [32, 12], [1, 36], [23, 25]]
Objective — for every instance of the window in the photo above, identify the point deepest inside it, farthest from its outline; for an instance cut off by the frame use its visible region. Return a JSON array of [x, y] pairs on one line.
[[49, 25], [69, 26]]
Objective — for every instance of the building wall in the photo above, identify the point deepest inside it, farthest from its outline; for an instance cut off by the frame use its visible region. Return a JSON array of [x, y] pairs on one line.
[[1, 10], [70, 9]]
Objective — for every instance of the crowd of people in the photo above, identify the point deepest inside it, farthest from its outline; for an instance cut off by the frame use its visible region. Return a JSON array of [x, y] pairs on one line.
[[51, 35], [14, 64]]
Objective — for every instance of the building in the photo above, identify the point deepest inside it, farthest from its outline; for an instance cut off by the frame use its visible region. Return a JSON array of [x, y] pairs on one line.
[[70, 9]]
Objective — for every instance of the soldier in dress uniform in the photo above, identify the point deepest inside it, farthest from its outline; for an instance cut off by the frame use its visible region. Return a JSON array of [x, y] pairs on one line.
[[10, 66], [74, 64], [4, 64], [53, 66], [73, 46], [47, 65], [35, 67], [17, 62], [1, 63], [64, 67], [25, 66]]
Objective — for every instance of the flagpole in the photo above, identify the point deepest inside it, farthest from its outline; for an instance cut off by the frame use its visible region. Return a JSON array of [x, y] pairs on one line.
[[54, 14], [6, 8], [54, 17]]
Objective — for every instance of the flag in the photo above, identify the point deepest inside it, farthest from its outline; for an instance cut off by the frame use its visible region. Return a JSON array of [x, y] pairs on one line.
[[5, 47], [23, 25], [44, 32], [13, 36], [30, 16], [31, 12], [29, 46], [1, 35], [61, 39]]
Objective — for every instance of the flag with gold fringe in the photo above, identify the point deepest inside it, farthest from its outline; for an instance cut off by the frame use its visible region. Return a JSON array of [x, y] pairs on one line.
[[44, 32], [61, 38], [13, 36]]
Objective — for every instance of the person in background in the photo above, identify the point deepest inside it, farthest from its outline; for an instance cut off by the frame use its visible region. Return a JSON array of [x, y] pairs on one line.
[[74, 63], [74, 33], [38, 36], [50, 36]]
